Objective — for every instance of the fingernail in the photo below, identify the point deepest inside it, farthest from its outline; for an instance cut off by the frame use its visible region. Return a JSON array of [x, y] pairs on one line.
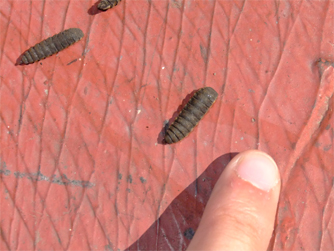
[[258, 169]]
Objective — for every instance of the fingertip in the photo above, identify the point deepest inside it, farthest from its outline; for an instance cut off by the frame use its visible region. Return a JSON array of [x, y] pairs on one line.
[[241, 212], [257, 168]]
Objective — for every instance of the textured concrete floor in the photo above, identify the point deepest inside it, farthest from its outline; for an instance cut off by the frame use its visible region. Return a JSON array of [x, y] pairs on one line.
[[82, 164]]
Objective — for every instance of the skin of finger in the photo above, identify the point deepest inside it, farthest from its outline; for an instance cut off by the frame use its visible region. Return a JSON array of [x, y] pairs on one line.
[[238, 215]]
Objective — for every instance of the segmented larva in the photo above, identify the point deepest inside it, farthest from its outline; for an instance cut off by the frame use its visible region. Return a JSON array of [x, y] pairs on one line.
[[191, 114], [107, 4], [52, 45]]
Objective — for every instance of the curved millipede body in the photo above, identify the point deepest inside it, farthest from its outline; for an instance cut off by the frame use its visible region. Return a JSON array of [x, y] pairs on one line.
[[191, 114], [107, 4], [52, 45]]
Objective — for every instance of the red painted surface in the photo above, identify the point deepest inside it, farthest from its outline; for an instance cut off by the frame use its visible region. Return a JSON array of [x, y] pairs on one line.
[[81, 165]]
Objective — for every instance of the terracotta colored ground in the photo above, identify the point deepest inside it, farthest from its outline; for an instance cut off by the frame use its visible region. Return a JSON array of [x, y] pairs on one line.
[[82, 167]]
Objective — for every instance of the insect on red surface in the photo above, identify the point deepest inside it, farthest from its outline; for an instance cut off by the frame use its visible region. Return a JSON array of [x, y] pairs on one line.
[[191, 114], [51, 45], [107, 4]]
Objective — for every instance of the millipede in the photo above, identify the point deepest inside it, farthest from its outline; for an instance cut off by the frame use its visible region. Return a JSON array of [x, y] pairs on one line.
[[107, 4], [51, 45], [190, 115]]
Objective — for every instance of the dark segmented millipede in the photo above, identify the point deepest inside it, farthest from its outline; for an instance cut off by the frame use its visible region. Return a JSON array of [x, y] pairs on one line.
[[191, 114], [52, 45], [107, 4]]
